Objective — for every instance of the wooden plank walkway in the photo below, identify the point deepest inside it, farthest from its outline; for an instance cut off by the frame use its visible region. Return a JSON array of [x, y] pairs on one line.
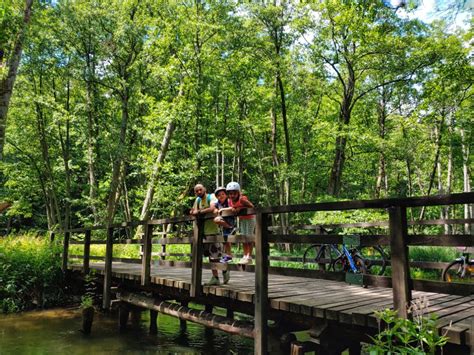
[[331, 300]]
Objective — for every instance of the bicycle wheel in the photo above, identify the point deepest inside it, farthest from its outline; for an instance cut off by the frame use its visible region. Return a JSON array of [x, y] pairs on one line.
[[342, 264], [375, 259], [310, 255], [455, 272]]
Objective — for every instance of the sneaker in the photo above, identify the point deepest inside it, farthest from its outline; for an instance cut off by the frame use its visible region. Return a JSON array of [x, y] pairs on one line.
[[226, 276], [214, 281], [226, 259], [244, 260]]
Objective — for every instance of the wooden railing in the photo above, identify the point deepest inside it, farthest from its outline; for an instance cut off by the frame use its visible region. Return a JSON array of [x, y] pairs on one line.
[[188, 230]]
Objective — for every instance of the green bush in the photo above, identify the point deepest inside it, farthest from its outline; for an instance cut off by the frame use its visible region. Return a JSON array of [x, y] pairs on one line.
[[30, 273]]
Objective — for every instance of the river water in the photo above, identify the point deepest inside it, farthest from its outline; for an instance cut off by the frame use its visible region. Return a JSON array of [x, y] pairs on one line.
[[57, 332]]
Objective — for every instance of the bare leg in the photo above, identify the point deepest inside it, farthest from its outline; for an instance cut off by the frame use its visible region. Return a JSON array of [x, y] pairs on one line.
[[228, 248]]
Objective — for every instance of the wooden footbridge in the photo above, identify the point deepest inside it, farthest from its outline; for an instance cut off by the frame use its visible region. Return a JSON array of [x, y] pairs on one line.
[[336, 308]]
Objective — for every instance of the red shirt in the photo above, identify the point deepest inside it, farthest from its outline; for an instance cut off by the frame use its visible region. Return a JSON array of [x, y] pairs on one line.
[[239, 204]]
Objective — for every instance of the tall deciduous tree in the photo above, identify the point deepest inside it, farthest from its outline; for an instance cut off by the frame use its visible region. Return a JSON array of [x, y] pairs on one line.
[[12, 51]]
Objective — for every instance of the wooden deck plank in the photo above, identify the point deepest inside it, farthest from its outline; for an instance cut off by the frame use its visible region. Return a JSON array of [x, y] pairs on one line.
[[319, 298], [305, 303], [461, 332], [366, 315]]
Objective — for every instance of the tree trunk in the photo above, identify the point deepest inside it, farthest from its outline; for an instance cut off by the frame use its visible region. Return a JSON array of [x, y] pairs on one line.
[[48, 174], [381, 182], [449, 176], [276, 161], [286, 183], [91, 138], [335, 179], [468, 213], [284, 116], [6, 84], [65, 149], [145, 214], [118, 160], [437, 133]]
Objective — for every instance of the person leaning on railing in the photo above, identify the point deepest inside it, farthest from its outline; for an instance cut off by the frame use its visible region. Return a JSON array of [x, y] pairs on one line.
[[203, 204], [246, 223]]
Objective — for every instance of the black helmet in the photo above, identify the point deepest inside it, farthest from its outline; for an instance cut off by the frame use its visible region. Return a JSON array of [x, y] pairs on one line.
[[219, 189]]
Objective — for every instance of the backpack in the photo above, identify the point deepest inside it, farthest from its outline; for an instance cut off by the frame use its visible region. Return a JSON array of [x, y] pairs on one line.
[[208, 199]]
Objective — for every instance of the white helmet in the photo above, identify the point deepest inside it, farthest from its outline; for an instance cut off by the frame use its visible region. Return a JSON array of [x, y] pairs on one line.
[[233, 186]]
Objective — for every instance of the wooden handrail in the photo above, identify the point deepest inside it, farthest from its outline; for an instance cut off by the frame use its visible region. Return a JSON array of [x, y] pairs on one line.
[[384, 224], [438, 200], [398, 239]]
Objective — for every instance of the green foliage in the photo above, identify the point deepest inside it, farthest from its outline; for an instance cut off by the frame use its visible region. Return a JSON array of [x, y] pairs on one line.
[[87, 301], [441, 254], [403, 336], [100, 81], [90, 286], [30, 273]]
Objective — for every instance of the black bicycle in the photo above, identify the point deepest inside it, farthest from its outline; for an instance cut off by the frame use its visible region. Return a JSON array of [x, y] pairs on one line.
[[459, 270], [365, 260]]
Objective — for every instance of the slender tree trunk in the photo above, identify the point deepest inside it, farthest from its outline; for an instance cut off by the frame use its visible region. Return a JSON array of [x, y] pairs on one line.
[[65, 149], [437, 134], [126, 203], [468, 212], [6, 84], [281, 90], [145, 214], [449, 177], [409, 168], [276, 161], [286, 183], [91, 137], [381, 182]]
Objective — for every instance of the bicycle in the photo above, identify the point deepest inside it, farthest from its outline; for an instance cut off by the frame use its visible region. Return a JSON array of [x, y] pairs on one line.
[[347, 260], [459, 270], [363, 260]]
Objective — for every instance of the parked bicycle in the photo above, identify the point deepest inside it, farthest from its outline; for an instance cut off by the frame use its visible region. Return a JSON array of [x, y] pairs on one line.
[[459, 270], [363, 260]]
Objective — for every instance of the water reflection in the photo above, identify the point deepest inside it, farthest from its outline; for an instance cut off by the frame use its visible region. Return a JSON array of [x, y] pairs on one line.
[[57, 332]]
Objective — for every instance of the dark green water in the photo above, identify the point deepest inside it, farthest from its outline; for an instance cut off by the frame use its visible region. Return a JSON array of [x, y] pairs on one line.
[[57, 332]]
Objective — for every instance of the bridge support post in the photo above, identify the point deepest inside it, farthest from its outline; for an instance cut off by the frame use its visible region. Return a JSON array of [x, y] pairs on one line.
[[65, 251], [196, 278], [261, 285], [182, 322], [146, 256], [87, 252], [355, 349], [108, 268], [400, 268], [124, 312], [135, 316], [153, 321]]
